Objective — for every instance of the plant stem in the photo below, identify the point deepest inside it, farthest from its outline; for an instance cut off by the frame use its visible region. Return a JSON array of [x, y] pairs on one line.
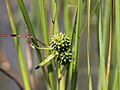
[[103, 48], [20, 56], [117, 19], [66, 18], [77, 46], [100, 43], [58, 78], [110, 41], [92, 13], [46, 40], [54, 14], [88, 48], [31, 31]]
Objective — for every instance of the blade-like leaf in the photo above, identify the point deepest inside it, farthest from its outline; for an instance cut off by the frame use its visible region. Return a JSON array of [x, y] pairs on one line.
[[46, 60]]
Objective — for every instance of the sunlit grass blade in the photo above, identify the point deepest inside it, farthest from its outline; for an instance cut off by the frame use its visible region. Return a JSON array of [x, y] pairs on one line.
[[88, 47], [31, 31], [77, 46], [46, 40], [69, 68], [117, 28], [102, 73], [110, 41], [55, 30], [100, 43], [91, 15], [20, 56], [54, 16], [66, 18]]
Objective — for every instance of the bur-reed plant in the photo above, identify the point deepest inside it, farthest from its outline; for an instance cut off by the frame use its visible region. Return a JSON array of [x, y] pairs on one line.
[[62, 49]]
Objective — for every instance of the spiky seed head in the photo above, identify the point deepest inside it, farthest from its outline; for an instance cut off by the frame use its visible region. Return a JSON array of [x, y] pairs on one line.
[[65, 58], [60, 42]]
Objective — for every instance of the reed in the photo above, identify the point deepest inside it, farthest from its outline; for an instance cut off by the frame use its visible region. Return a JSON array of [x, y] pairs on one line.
[[62, 66]]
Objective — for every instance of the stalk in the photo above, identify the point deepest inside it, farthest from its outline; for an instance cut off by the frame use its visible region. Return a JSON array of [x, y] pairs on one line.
[[102, 73], [117, 20], [88, 48], [46, 41], [54, 16], [69, 68], [20, 56], [66, 18], [31, 31], [100, 43], [77, 46], [110, 41]]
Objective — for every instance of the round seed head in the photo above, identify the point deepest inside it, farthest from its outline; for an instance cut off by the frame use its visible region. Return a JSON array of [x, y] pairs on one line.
[[64, 58], [60, 42]]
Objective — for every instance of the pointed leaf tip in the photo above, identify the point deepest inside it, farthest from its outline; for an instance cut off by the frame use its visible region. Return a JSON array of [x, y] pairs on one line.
[[37, 67]]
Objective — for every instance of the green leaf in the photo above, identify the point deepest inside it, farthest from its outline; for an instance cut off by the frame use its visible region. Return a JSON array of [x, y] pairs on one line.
[[31, 31], [46, 60], [20, 55]]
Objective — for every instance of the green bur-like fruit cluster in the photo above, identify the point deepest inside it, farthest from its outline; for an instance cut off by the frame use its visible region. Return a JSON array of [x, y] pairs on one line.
[[61, 43], [64, 58]]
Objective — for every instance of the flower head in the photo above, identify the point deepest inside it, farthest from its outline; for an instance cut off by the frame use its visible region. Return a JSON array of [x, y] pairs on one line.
[[64, 58], [60, 42]]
